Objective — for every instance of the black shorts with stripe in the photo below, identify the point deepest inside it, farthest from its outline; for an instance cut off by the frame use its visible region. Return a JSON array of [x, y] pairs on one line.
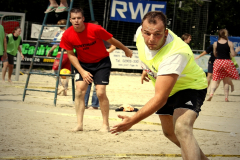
[[188, 98]]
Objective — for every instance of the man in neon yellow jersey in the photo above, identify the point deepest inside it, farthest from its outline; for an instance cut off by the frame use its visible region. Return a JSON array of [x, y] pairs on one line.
[[180, 84]]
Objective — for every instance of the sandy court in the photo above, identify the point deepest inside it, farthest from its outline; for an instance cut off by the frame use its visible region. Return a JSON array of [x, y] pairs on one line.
[[36, 129]]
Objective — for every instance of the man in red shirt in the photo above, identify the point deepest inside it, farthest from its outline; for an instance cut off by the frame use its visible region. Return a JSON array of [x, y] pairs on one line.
[[92, 63]]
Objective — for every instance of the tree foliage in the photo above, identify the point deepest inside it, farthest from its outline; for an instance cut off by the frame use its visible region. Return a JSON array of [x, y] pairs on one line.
[[34, 9], [224, 14]]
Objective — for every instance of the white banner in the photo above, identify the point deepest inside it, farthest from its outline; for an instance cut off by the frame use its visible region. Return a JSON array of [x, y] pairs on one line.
[[202, 61], [48, 32], [120, 61]]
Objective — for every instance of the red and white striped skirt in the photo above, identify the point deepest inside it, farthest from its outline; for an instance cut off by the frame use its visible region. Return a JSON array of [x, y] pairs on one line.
[[224, 68]]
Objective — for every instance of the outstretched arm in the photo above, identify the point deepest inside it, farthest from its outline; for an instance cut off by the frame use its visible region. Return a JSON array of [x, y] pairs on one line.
[[202, 54], [51, 50], [53, 47], [19, 49], [163, 87], [87, 77], [111, 48], [118, 44], [237, 49]]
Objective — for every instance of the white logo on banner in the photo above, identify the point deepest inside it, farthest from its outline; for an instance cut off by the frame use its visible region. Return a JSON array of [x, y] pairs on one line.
[[133, 13]]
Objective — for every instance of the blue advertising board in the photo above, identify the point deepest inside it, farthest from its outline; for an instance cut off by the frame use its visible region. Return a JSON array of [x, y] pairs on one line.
[[235, 40], [134, 10]]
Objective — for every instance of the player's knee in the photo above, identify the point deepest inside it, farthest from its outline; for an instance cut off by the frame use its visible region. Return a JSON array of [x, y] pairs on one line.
[[5, 65], [79, 93], [10, 66], [182, 130], [168, 134], [101, 94]]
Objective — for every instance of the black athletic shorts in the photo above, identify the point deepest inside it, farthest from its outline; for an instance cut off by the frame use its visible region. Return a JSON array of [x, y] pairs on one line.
[[210, 67], [10, 58], [100, 71], [189, 98]]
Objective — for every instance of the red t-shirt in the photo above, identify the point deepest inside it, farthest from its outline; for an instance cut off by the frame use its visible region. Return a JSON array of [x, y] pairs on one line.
[[88, 43]]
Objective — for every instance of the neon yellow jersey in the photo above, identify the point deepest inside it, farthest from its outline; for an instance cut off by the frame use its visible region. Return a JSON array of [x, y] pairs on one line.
[[2, 36], [12, 45], [192, 76]]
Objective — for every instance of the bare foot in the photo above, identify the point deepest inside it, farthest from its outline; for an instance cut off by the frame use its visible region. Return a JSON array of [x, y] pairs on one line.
[[210, 97], [60, 90], [226, 100], [54, 5], [232, 88], [62, 8], [63, 4], [51, 8], [93, 108], [104, 129], [65, 92], [77, 129], [10, 81]]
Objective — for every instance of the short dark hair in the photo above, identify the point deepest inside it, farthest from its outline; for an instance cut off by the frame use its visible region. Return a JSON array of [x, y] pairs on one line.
[[152, 15], [77, 10], [16, 28], [185, 36]]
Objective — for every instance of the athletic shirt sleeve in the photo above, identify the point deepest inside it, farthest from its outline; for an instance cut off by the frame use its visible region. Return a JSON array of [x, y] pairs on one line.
[[174, 64], [212, 58], [102, 33], [209, 49]]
